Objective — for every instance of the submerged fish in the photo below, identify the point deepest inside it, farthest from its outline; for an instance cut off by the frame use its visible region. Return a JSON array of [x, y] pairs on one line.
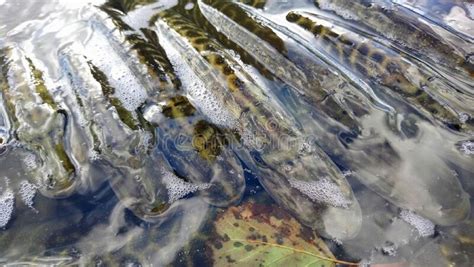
[[290, 174], [367, 149], [197, 150], [121, 144], [40, 124], [403, 28], [386, 68], [269, 49]]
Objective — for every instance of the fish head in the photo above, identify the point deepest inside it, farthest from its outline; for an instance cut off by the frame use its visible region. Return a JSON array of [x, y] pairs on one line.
[[311, 187]]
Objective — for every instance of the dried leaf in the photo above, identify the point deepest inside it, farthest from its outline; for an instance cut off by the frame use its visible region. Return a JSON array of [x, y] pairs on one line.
[[264, 235]]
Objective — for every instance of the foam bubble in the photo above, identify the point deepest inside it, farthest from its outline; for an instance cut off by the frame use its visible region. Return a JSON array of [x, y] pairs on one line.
[[30, 161], [196, 89], [322, 191], [94, 155], [390, 249], [424, 226], [464, 117], [177, 188], [27, 193], [329, 5], [128, 89], [467, 147], [7, 201]]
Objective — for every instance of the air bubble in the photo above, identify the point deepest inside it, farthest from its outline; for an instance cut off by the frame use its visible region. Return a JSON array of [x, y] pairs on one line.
[[27, 193], [322, 191], [7, 201], [424, 226], [30, 162], [464, 117], [467, 147], [177, 188], [329, 5], [128, 89]]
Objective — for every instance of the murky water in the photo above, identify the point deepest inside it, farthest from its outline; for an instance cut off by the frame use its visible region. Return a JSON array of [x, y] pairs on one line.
[[236, 133]]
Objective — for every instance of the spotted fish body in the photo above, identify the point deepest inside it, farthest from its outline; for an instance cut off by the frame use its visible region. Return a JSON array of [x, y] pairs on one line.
[[196, 149], [308, 81], [39, 123], [401, 28], [351, 149], [125, 151], [383, 67], [258, 118]]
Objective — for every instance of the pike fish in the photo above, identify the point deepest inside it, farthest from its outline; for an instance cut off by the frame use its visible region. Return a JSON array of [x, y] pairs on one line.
[[389, 70], [289, 174], [39, 123], [197, 150], [402, 28], [351, 109]]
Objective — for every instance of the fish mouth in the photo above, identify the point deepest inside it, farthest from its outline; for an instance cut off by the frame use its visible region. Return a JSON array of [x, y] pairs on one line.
[[59, 192]]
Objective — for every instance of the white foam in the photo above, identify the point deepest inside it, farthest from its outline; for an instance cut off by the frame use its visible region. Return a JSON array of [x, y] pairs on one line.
[[30, 161], [424, 226], [323, 191], [390, 250], [177, 188], [467, 147], [194, 86], [27, 193], [128, 89], [347, 173], [329, 5], [94, 155], [7, 201], [464, 117]]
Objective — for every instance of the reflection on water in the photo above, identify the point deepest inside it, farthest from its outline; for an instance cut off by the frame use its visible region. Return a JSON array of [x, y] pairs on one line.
[[246, 133]]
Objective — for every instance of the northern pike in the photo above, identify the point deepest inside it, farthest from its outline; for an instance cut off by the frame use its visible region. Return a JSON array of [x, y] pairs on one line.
[[287, 173], [401, 27], [40, 124], [196, 149], [389, 70]]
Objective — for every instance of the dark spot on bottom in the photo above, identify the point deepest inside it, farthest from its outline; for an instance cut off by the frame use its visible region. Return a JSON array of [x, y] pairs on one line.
[[229, 259], [248, 247], [279, 240], [218, 245], [225, 238], [238, 244]]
